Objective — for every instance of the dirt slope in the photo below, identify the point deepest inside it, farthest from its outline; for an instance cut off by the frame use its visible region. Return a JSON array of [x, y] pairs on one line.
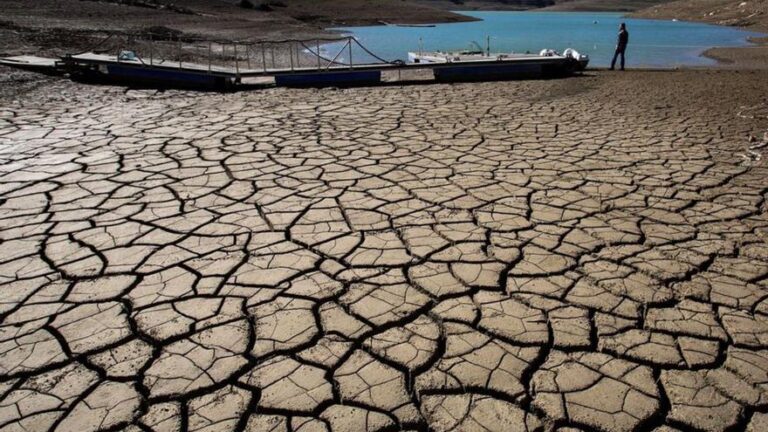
[[751, 14]]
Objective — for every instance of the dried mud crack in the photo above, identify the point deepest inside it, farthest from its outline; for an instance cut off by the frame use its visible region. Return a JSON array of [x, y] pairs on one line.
[[585, 254]]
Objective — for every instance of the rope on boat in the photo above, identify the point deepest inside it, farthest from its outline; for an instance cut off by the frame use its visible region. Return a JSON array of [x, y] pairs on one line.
[[374, 55], [330, 62], [96, 47], [350, 39]]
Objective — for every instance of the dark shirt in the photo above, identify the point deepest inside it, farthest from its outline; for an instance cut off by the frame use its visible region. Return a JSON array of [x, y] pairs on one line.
[[623, 39]]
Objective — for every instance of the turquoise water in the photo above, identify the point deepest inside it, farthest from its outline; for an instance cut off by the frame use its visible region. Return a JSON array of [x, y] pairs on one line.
[[653, 43]]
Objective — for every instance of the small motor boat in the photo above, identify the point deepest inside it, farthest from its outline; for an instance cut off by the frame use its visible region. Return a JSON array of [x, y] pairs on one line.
[[580, 61]]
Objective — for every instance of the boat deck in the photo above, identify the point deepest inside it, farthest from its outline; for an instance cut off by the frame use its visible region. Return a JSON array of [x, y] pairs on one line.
[[30, 62]]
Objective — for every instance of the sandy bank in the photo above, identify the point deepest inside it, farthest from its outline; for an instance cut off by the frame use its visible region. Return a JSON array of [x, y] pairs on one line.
[[750, 57]]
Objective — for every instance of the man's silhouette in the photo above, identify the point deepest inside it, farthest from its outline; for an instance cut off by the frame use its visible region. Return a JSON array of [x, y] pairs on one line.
[[621, 46]]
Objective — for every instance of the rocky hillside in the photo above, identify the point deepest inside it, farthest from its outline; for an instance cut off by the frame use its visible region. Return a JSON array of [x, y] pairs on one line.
[[752, 14]]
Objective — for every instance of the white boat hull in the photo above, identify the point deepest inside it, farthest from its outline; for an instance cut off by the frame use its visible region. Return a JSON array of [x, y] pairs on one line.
[[437, 57]]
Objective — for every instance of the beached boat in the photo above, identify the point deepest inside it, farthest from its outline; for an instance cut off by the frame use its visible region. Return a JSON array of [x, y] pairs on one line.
[[580, 61], [485, 66]]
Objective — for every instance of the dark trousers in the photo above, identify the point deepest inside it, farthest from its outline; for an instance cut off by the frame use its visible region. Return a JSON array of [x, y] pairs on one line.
[[619, 50]]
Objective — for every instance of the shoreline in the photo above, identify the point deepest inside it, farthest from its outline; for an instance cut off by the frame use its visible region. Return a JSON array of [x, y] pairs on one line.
[[753, 56]]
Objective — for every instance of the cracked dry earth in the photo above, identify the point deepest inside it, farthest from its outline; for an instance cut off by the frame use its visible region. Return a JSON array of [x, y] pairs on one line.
[[583, 254]]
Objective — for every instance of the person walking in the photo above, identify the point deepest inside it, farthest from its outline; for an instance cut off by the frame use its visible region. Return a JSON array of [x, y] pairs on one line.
[[621, 46]]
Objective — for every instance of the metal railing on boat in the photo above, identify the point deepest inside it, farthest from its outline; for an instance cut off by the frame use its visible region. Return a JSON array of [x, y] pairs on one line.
[[233, 58]]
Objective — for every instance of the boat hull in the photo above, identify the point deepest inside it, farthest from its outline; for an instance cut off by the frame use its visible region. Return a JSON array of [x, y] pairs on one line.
[[487, 73], [164, 76], [148, 76], [508, 70], [329, 79]]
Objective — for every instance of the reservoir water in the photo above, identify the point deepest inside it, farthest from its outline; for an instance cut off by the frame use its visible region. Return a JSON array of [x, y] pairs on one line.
[[653, 43]]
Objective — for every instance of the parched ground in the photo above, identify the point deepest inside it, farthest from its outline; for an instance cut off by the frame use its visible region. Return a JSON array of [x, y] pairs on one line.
[[582, 254]]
